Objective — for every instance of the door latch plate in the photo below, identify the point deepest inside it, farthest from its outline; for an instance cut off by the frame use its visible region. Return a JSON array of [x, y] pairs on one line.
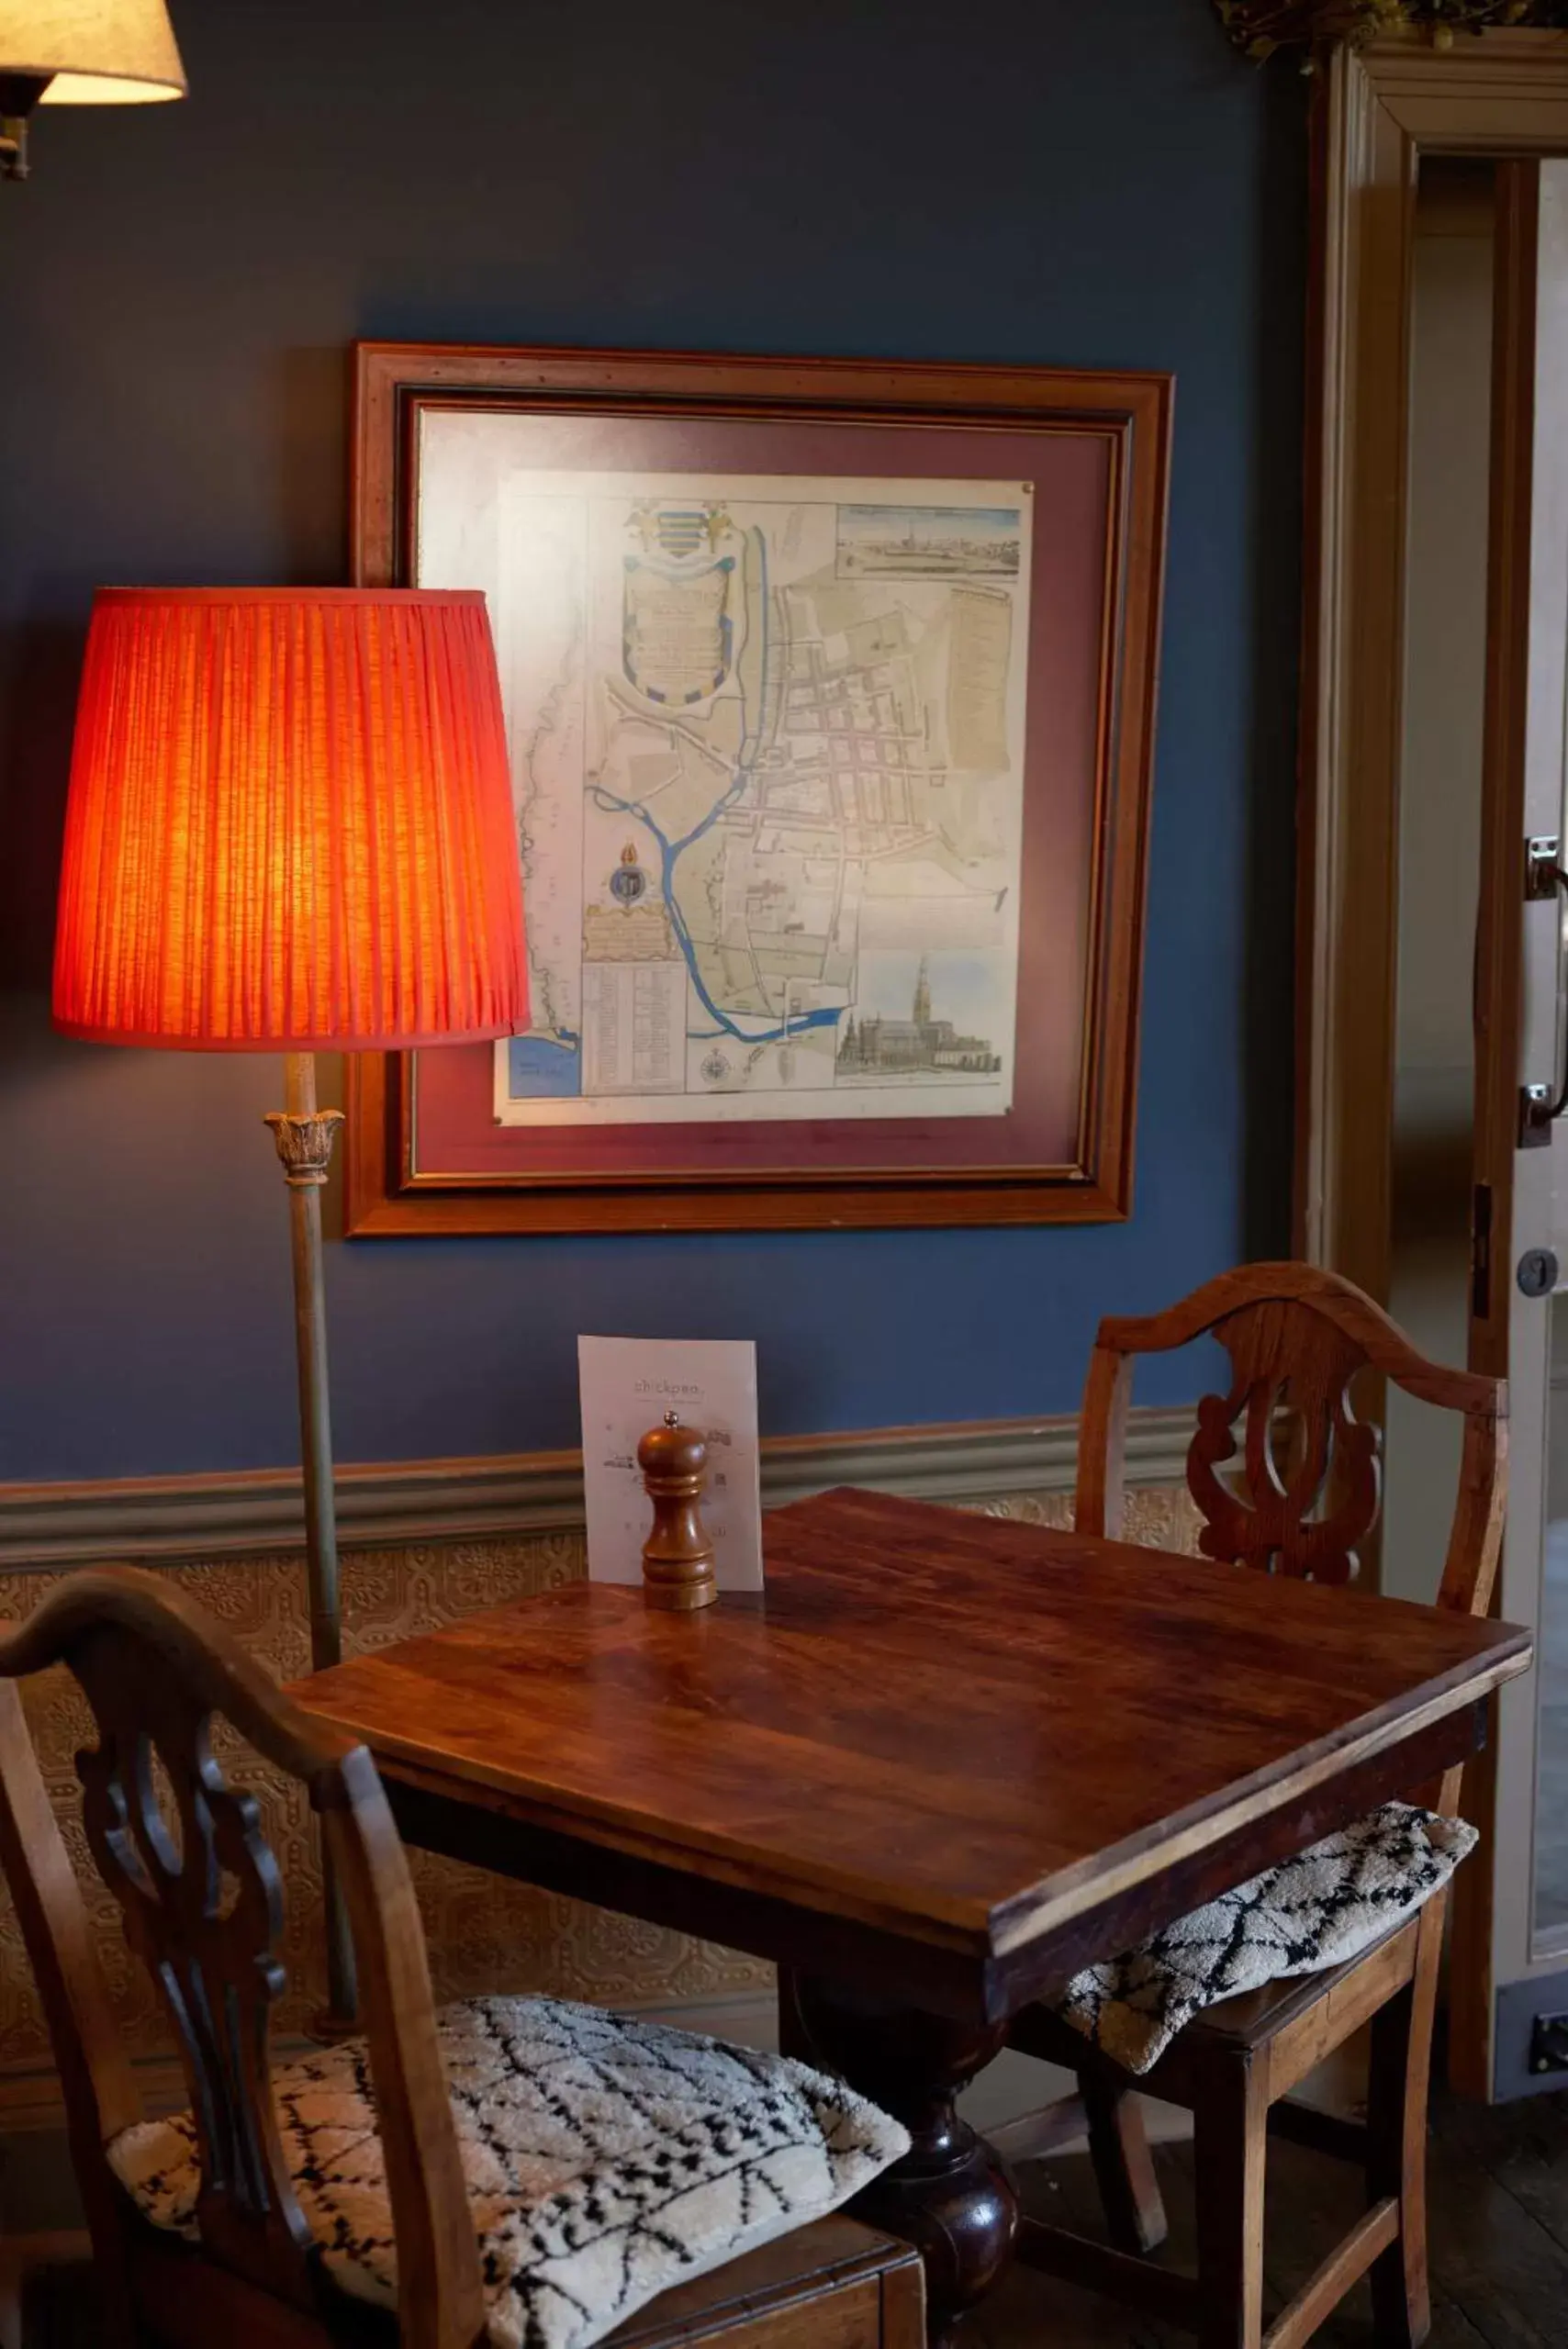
[[1549, 2043]]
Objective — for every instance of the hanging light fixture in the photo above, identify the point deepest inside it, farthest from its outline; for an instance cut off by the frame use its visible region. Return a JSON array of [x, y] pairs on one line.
[[80, 52]]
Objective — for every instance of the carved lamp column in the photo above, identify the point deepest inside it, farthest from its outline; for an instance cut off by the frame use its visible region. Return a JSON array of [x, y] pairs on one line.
[[290, 829]]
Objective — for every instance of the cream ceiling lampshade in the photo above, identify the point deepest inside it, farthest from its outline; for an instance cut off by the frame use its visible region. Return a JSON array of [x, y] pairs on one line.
[[92, 52]]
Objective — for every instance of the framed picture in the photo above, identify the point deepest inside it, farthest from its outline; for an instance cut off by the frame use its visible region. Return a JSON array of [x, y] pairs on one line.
[[830, 689]]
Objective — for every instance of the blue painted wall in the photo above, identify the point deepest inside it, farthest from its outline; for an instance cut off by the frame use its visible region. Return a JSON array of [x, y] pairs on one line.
[[1086, 181]]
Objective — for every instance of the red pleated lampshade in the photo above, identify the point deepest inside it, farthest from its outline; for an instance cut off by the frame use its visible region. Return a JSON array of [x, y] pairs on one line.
[[290, 824]]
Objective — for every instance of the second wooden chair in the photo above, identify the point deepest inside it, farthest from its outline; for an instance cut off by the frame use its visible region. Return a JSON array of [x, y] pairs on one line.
[[1293, 1492]]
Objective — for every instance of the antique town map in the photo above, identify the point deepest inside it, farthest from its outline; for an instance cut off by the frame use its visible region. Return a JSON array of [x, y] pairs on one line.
[[767, 750]]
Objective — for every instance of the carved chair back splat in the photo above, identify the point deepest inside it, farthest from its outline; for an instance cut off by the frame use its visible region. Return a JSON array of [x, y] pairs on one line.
[[200, 1893], [1298, 1489]]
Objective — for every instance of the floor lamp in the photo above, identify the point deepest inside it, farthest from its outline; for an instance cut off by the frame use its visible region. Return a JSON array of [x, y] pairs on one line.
[[290, 829]]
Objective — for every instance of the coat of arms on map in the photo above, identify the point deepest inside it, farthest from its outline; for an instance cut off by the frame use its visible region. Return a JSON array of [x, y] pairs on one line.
[[677, 630], [829, 693]]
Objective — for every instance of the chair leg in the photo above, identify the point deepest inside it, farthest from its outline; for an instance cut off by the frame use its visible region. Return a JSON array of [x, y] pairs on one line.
[[1231, 2140], [1396, 2149], [1124, 2166]]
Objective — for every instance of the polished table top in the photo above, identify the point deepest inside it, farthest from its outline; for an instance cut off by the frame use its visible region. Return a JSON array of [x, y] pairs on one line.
[[955, 1730]]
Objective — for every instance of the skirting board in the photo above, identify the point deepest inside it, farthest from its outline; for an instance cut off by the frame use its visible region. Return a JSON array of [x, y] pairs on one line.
[[405, 1503]]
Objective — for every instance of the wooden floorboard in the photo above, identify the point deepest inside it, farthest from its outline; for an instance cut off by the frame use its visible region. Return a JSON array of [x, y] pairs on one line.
[[1499, 2226], [1525, 2148], [1499, 2233]]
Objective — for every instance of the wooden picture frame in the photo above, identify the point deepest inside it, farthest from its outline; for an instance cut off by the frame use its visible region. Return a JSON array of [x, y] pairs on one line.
[[428, 1152]]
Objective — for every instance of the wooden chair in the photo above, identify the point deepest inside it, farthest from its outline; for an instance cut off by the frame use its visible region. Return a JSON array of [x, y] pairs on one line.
[[199, 1892], [1301, 1491]]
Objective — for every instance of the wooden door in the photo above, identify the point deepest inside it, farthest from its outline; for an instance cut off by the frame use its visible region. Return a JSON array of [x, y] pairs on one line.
[[1521, 1195]]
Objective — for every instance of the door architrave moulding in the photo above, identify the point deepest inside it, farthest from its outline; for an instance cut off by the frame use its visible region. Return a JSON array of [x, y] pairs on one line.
[[1378, 110]]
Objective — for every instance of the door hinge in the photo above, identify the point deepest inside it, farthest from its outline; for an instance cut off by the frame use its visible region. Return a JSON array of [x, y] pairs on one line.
[[1544, 867], [1544, 875], [1537, 1112]]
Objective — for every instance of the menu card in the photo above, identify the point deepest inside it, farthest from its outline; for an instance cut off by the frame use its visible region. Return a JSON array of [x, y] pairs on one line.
[[627, 1385]]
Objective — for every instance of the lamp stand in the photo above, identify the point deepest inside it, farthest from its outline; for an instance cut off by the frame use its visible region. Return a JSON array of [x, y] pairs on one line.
[[19, 93], [305, 1135]]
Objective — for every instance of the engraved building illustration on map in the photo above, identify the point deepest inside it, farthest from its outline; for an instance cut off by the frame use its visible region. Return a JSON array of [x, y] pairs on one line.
[[883, 1048], [767, 738]]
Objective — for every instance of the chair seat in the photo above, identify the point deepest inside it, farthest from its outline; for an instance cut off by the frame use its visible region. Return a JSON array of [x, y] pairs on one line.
[[1256, 2018], [1243, 2024], [606, 2159], [1322, 1910]]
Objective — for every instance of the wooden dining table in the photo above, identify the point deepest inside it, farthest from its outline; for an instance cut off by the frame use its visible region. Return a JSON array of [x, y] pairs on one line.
[[943, 1763]]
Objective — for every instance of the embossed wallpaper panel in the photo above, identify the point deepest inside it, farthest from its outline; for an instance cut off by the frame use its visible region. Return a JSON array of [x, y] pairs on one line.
[[485, 1933]]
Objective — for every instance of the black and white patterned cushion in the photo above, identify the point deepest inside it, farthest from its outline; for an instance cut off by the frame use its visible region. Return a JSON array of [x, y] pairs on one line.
[[606, 2159], [1321, 1908]]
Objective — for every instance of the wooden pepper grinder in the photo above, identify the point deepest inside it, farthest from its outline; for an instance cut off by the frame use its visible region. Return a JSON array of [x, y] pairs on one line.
[[677, 1557]]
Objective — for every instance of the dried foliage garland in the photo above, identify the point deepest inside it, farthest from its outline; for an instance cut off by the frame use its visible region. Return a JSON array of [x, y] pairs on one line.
[[1260, 27]]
